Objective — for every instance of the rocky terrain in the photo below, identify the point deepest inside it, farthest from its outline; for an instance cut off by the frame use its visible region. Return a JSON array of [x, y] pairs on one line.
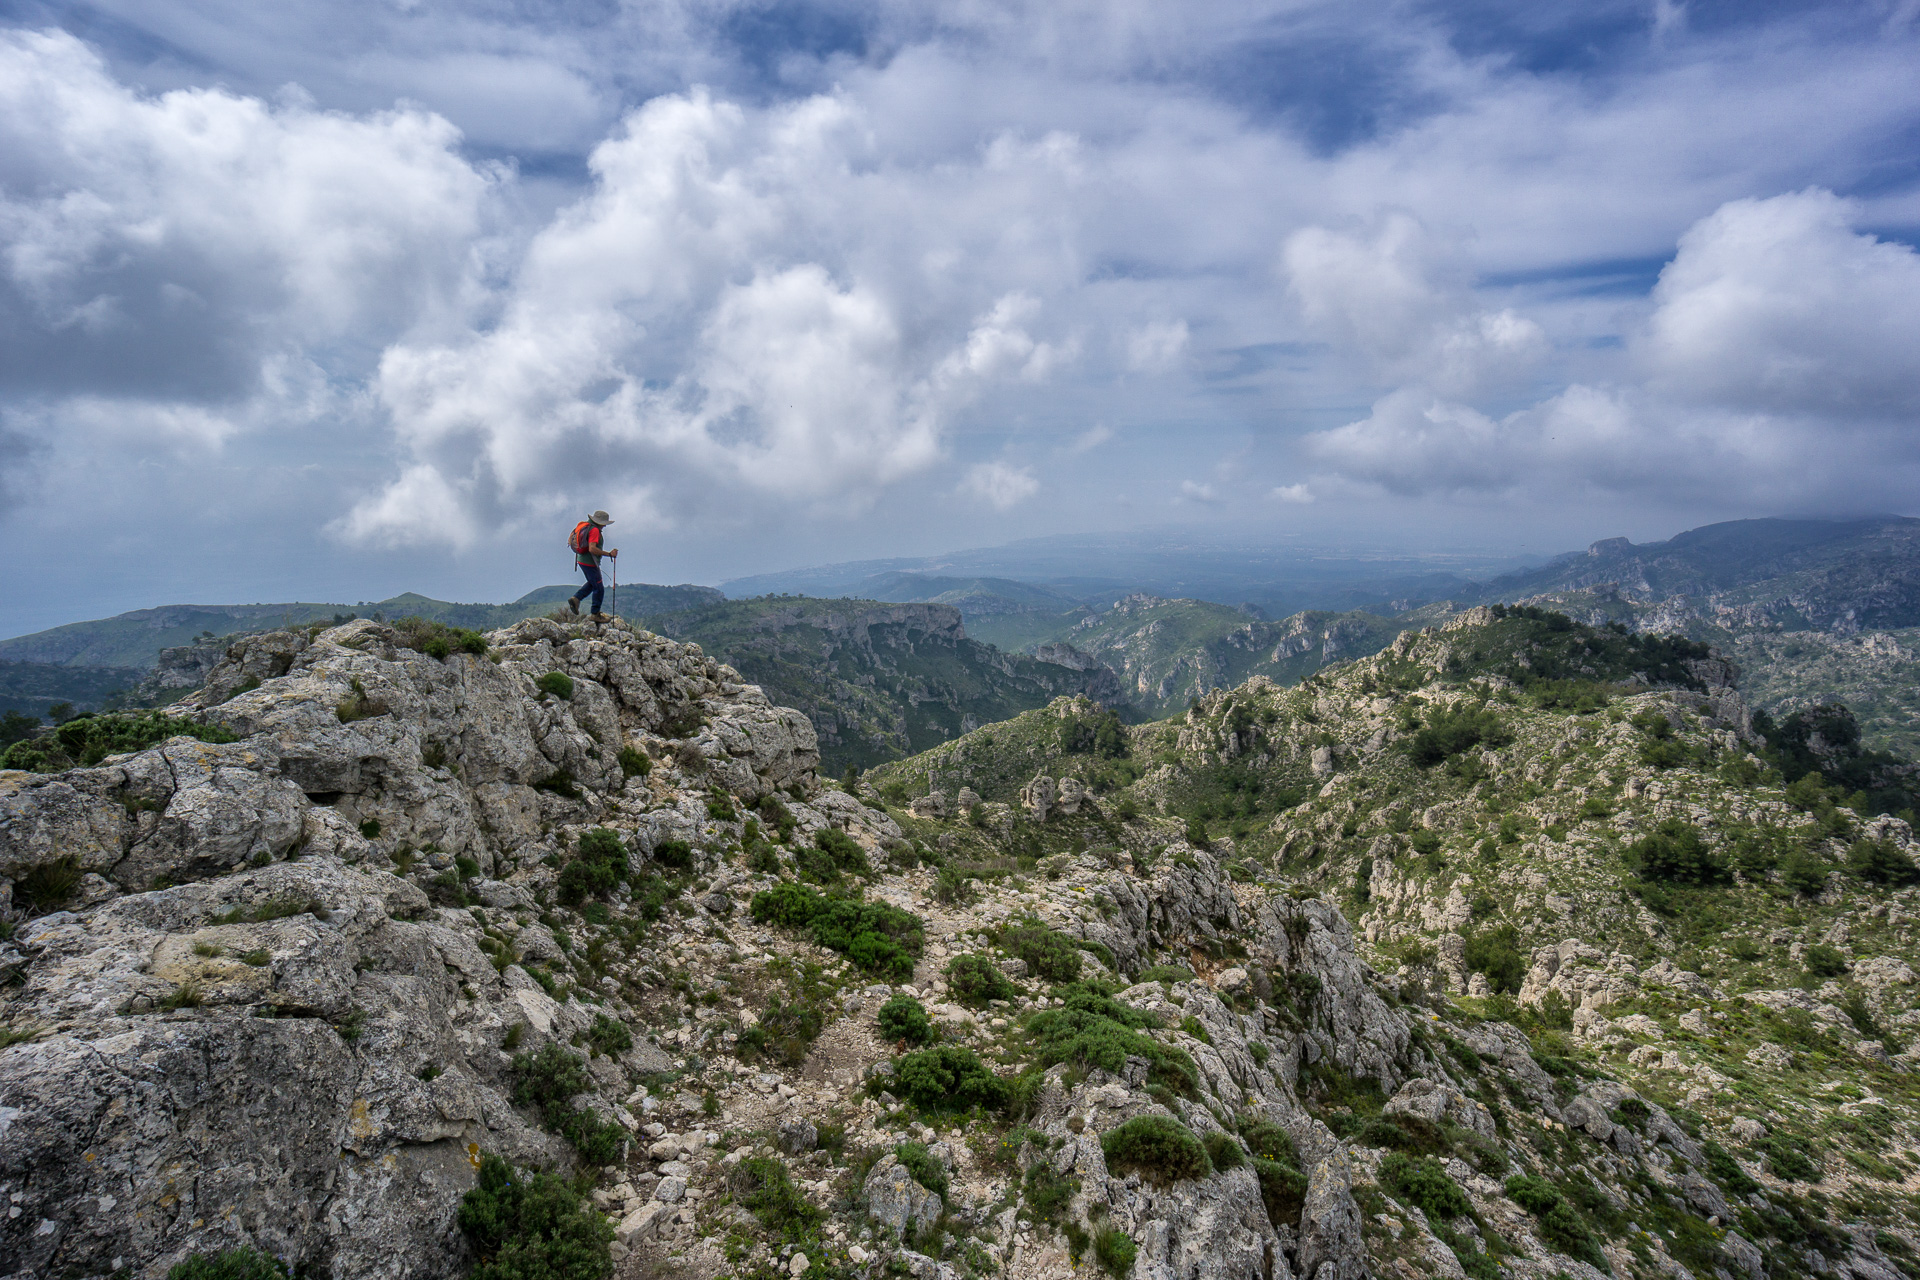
[[1505, 951]]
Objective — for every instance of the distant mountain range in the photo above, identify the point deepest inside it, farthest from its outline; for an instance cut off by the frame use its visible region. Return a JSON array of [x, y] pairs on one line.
[[880, 680], [914, 651]]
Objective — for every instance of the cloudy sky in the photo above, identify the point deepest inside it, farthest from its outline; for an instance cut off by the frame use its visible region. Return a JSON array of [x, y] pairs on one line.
[[325, 301]]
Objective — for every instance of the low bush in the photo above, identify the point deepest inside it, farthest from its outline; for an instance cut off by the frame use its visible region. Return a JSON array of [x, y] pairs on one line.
[[1092, 1029], [1804, 872], [1496, 953], [1160, 1149], [1726, 1171], [1115, 1251], [974, 980], [437, 639], [955, 888], [1049, 953], [947, 1078], [676, 855], [904, 1018], [879, 939], [1786, 1159], [548, 1081], [532, 1225], [88, 739], [1223, 1151], [557, 683], [1423, 1183], [599, 863], [609, 1035], [1824, 961], [635, 763], [1283, 1190], [786, 1029], [1046, 1192], [1448, 733], [243, 1263], [1674, 852], [1560, 1223], [926, 1170], [833, 852]]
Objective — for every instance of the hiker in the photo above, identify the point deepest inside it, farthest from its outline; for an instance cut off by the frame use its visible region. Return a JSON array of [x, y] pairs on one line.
[[587, 547]]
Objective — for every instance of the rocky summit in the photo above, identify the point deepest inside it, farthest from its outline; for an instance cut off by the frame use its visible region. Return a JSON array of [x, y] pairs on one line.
[[1519, 948]]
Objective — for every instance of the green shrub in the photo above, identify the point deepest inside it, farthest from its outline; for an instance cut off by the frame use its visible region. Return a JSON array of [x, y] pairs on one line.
[[1159, 1148], [778, 816], [1046, 1192], [88, 739], [1448, 733], [1535, 1195], [560, 783], [1804, 872], [1049, 954], [947, 1078], [1881, 862], [598, 865], [880, 940], [1223, 1151], [904, 1018], [785, 1031], [557, 683], [954, 888], [760, 1185], [1824, 961], [531, 1225], [635, 763], [1560, 1223], [1115, 1251], [677, 854], [1495, 952], [609, 1035], [926, 1170], [1787, 1160], [974, 980], [1092, 1029], [547, 1081], [845, 851], [1423, 1183], [1283, 1190], [1674, 852], [242, 1263], [1726, 1171]]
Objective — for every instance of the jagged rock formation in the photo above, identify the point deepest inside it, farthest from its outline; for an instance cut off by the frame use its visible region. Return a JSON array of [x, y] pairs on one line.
[[284, 999]]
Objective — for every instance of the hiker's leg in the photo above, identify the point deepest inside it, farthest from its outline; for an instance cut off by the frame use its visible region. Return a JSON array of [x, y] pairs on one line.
[[594, 584]]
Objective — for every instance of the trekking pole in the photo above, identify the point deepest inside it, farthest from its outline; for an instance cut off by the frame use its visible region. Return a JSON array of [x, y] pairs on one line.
[[613, 567]]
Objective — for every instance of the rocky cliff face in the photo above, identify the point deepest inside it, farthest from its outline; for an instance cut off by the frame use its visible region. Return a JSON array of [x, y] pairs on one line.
[[252, 1023]]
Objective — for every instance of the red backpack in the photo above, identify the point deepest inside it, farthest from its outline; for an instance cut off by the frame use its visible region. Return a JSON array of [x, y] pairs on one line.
[[578, 541]]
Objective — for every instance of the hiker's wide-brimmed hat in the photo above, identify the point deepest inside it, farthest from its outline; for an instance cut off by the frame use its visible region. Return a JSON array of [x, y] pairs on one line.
[[602, 518]]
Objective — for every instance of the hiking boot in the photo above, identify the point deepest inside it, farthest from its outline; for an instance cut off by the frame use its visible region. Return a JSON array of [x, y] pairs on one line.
[[573, 606], [597, 616]]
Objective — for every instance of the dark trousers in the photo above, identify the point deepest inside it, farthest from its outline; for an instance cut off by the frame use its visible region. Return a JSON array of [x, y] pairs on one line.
[[594, 585]]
